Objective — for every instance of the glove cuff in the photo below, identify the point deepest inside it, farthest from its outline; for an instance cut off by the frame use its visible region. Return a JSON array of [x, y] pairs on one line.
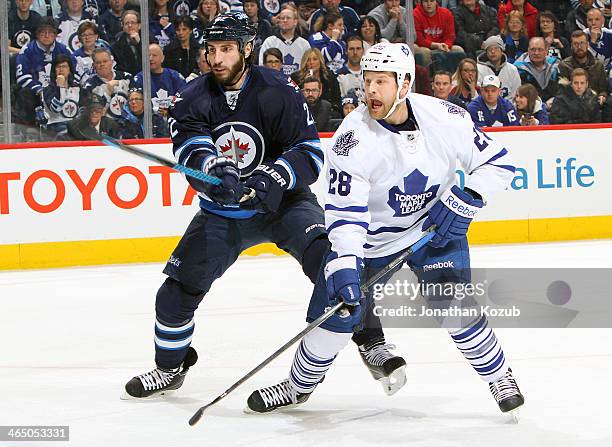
[[344, 262], [457, 201], [211, 162], [277, 173]]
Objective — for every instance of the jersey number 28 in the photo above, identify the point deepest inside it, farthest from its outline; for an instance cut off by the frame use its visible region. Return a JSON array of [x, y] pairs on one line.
[[342, 180]]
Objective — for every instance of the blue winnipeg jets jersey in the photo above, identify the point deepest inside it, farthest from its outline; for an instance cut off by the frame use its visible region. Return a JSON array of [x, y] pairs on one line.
[[268, 123]]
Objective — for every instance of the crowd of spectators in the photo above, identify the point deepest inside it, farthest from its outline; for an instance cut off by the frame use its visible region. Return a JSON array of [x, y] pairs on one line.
[[77, 64]]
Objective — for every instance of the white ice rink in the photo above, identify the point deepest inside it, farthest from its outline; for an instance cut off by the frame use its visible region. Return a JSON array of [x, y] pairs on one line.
[[71, 338]]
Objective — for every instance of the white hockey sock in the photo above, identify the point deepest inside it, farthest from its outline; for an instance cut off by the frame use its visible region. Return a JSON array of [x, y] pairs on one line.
[[480, 347], [314, 357]]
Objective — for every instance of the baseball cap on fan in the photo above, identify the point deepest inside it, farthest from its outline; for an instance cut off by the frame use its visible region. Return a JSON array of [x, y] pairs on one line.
[[491, 80]]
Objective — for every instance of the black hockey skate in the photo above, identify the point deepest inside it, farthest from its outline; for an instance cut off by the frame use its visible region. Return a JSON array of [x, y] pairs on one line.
[[507, 394], [275, 397], [160, 381], [388, 369]]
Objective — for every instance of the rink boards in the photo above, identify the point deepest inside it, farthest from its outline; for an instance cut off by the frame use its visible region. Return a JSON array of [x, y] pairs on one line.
[[81, 204]]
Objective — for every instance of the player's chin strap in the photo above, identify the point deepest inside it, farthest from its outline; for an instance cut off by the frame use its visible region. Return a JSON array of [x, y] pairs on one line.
[[398, 100]]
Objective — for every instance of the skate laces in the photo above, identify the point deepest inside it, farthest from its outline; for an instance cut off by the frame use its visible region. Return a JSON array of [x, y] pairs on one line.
[[279, 394], [505, 387], [156, 379], [377, 354]]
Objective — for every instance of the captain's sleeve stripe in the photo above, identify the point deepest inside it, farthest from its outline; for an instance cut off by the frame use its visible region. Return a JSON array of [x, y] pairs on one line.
[[351, 209], [287, 167], [340, 223]]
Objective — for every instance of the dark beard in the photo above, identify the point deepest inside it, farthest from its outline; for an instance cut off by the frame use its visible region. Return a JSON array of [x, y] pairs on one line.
[[234, 74]]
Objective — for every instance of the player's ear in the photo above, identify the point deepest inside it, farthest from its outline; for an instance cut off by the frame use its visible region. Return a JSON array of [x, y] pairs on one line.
[[249, 46], [405, 87]]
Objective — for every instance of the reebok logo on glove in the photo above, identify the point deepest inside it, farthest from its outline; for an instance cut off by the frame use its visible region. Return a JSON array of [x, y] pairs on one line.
[[272, 173], [458, 206]]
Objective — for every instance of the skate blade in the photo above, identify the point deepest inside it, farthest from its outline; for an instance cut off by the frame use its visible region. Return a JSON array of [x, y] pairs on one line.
[[125, 396], [393, 382], [247, 409], [514, 416]]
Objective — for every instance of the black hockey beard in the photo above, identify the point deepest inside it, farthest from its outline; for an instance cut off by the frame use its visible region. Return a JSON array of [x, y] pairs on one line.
[[235, 73]]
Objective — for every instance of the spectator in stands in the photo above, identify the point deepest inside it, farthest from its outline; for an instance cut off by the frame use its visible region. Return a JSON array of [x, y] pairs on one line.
[[606, 112], [181, 54], [96, 8], [161, 26], [582, 58], [264, 28], [92, 121], [494, 61], [329, 41], [313, 66], [515, 37], [600, 38], [391, 18], [89, 39], [559, 8], [47, 8], [442, 86], [108, 83], [126, 49], [206, 11], [577, 18], [465, 81], [165, 82], [22, 25], [203, 66], [548, 28], [490, 109], [110, 20], [349, 103], [474, 23], [33, 66], [306, 9], [363, 7], [68, 23], [350, 76], [576, 105], [369, 31], [183, 7], [435, 37], [529, 106], [530, 13], [131, 123], [62, 96], [349, 16], [273, 58], [320, 109], [287, 41], [536, 68]]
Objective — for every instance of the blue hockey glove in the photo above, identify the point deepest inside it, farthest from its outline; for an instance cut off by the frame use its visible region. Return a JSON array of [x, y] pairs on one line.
[[452, 215], [40, 116], [230, 190], [269, 183], [342, 275]]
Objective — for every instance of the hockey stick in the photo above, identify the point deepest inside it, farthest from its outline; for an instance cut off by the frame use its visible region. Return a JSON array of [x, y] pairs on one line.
[[316, 323], [112, 142]]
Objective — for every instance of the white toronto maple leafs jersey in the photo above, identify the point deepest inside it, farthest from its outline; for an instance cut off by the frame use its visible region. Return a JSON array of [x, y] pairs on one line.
[[381, 182]]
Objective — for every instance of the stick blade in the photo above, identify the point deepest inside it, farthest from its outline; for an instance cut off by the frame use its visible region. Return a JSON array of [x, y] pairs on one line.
[[196, 416]]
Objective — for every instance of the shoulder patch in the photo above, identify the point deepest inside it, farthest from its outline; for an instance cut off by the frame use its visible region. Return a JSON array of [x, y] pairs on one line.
[[344, 143], [454, 109]]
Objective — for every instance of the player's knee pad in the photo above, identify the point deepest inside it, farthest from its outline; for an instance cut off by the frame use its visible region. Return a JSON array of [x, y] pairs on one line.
[[325, 344], [176, 302], [313, 257]]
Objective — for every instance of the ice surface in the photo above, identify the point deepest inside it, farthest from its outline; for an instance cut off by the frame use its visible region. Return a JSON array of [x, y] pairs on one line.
[[71, 338]]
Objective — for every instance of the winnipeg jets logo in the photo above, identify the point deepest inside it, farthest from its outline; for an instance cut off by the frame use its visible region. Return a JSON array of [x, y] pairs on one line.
[[242, 142], [414, 197], [70, 108], [344, 143], [455, 109]]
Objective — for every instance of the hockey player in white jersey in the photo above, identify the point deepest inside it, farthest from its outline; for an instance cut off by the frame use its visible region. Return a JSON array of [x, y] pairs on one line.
[[390, 171]]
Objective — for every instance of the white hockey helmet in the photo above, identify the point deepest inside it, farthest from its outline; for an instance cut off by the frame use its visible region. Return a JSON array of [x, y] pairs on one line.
[[393, 57]]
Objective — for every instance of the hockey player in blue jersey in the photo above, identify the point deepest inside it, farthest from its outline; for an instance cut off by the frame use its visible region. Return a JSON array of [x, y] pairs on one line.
[[391, 174], [490, 109], [240, 123]]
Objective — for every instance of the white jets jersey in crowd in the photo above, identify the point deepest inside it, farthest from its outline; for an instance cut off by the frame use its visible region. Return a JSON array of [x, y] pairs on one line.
[[381, 183]]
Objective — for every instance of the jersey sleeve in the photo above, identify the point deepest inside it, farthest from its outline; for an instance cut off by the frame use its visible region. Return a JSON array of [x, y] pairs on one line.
[[489, 165], [25, 69], [294, 129], [347, 190]]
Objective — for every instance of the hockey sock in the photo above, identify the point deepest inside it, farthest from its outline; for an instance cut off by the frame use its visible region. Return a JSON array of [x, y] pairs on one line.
[[480, 347], [314, 357]]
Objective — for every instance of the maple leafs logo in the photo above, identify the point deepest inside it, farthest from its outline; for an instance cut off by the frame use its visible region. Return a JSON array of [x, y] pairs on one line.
[[414, 197], [344, 143], [236, 149]]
